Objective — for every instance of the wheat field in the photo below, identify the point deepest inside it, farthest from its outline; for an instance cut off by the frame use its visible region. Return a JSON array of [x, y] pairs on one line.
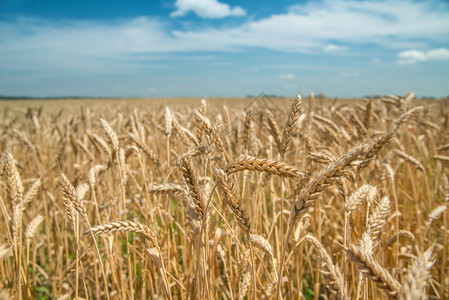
[[302, 198]]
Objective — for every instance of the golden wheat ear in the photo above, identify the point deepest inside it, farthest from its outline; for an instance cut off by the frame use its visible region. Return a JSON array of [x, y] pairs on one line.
[[418, 274], [332, 275], [123, 226], [371, 269], [269, 166], [234, 201], [291, 124]]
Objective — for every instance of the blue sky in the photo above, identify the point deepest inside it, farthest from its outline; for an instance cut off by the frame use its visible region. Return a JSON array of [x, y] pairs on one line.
[[214, 48]]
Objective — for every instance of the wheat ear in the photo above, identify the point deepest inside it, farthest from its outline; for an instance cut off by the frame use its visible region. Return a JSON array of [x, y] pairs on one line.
[[168, 188], [269, 166], [180, 131], [234, 201], [123, 226], [329, 123], [139, 143], [226, 120], [70, 194], [110, 133], [32, 227], [378, 218], [360, 195], [410, 159], [327, 176], [14, 185], [417, 275], [14, 190], [100, 144], [27, 142], [275, 131], [374, 271], [168, 122], [332, 275], [359, 125], [291, 124], [32, 191], [193, 189], [212, 131], [320, 157]]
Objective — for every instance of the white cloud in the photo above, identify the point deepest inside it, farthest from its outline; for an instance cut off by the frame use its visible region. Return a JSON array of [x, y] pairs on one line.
[[211, 9], [288, 76], [311, 27], [415, 56], [333, 48], [315, 27]]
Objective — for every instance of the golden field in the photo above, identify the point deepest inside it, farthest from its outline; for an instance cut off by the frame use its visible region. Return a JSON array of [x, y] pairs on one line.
[[302, 198]]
